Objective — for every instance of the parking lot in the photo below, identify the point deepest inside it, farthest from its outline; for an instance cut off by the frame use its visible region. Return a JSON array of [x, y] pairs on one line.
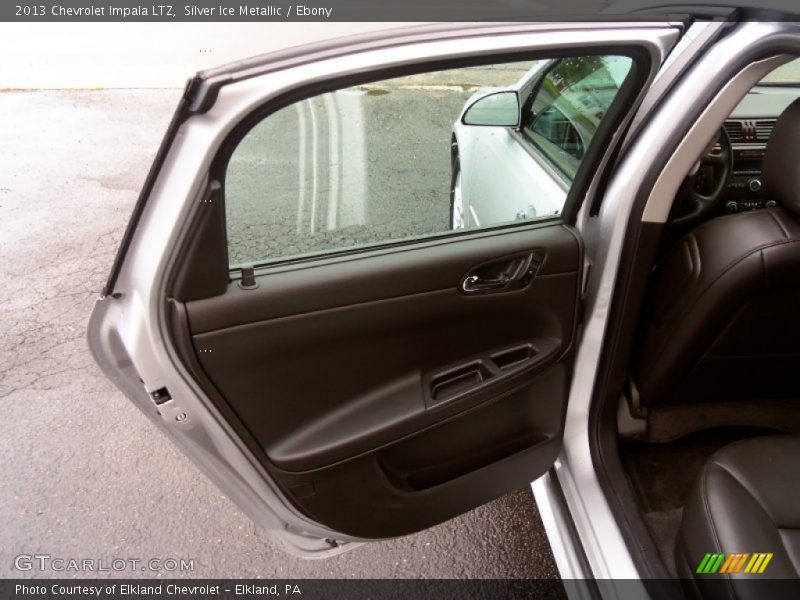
[[84, 474], [365, 164]]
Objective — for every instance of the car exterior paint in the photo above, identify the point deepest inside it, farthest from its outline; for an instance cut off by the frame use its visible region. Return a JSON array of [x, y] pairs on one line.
[[500, 179], [505, 175]]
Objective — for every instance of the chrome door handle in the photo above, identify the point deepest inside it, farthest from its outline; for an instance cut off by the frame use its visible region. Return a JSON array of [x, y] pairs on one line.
[[513, 273], [473, 283]]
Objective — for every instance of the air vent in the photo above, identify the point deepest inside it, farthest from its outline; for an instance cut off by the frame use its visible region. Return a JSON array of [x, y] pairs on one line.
[[764, 130], [734, 129]]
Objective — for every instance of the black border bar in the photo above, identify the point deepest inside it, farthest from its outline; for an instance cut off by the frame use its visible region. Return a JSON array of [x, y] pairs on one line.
[[374, 10]]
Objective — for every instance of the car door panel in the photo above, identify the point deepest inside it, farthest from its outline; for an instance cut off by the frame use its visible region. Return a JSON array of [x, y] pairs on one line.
[[348, 370], [439, 473], [358, 394]]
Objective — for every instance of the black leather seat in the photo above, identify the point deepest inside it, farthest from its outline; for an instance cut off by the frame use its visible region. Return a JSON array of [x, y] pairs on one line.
[[744, 502], [722, 318]]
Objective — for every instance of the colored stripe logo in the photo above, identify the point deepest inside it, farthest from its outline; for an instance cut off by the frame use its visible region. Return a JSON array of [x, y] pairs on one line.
[[755, 563]]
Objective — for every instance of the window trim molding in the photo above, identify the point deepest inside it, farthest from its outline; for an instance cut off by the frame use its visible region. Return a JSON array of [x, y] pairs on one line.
[[623, 105]]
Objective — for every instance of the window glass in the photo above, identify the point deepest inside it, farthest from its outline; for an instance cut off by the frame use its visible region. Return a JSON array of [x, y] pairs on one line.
[[788, 75], [564, 113], [398, 159]]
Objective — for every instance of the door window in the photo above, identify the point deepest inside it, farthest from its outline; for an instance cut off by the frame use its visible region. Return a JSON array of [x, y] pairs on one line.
[[356, 167], [400, 160], [568, 105]]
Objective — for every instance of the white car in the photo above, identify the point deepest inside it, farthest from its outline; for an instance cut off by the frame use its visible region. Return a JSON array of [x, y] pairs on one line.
[[292, 307], [517, 150]]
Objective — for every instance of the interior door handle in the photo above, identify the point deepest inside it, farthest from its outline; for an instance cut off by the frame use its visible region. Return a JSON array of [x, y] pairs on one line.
[[474, 283], [499, 276]]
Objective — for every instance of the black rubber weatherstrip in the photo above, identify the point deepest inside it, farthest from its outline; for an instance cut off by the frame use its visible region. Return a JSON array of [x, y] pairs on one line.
[[590, 583], [182, 112]]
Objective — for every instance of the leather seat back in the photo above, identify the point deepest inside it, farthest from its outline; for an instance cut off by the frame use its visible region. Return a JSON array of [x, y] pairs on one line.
[[722, 318], [743, 508]]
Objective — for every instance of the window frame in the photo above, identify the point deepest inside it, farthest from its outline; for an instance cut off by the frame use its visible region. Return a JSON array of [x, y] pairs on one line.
[[629, 91]]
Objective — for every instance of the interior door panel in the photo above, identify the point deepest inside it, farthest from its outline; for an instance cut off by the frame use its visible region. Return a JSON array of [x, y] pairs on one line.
[[383, 397], [348, 392]]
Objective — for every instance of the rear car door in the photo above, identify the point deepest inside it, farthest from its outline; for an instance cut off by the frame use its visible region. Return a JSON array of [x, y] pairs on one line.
[[289, 305]]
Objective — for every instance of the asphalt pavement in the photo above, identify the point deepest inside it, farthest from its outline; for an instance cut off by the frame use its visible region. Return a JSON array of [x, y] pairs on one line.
[[364, 177], [84, 474], [365, 164]]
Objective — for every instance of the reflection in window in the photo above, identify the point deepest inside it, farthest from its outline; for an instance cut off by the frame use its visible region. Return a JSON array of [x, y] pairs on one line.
[[394, 160], [564, 114], [355, 167]]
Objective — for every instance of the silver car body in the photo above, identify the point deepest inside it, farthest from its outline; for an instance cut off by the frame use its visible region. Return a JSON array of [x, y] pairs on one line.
[[500, 173], [127, 332], [504, 176]]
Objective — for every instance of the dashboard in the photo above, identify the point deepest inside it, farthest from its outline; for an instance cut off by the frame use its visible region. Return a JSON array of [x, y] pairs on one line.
[[749, 128]]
